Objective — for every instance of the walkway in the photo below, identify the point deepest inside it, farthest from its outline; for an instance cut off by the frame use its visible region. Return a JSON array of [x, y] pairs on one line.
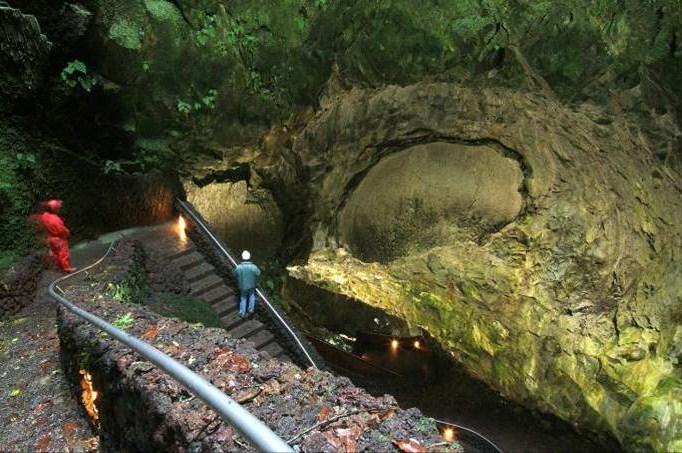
[[38, 411], [204, 281]]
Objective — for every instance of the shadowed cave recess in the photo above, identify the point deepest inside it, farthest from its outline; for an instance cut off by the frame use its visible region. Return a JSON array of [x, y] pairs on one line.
[[500, 179]]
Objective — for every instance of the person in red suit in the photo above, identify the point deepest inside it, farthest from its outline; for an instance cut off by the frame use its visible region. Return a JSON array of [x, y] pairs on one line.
[[57, 235]]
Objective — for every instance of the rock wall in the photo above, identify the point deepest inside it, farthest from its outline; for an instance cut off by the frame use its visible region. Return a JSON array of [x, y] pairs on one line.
[[250, 221], [140, 408], [23, 56], [18, 285], [574, 305]]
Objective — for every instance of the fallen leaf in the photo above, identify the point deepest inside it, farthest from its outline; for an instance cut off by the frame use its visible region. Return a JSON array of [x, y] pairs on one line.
[[39, 408], [242, 363], [409, 446], [150, 333], [344, 439], [272, 387], [43, 443], [386, 414], [324, 413], [246, 396], [70, 429], [15, 392]]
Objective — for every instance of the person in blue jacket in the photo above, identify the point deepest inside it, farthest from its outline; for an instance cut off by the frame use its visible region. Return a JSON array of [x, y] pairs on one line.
[[246, 274]]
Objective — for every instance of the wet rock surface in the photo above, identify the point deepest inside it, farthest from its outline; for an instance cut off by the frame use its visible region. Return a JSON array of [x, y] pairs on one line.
[[38, 407], [142, 408], [572, 307]]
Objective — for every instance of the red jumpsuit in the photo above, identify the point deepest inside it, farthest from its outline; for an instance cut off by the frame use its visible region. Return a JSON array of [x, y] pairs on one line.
[[57, 233]]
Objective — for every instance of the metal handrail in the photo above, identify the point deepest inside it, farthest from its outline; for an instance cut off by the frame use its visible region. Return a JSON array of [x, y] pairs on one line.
[[258, 434], [217, 242]]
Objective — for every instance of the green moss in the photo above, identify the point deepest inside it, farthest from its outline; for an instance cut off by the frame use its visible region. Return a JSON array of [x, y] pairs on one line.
[[162, 10], [126, 33], [187, 308]]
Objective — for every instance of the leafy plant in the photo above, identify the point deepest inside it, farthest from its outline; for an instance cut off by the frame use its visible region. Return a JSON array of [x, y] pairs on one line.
[[207, 33], [183, 107], [124, 322], [205, 102], [111, 166], [25, 161], [76, 73], [132, 288]]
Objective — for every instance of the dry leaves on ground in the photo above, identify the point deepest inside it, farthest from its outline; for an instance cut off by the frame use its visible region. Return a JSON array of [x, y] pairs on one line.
[[324, 414], [43, 443], [344, 439], [409, 446], [150, 333]]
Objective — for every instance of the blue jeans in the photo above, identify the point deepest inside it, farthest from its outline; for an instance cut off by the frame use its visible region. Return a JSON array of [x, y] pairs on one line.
[[251, 296]]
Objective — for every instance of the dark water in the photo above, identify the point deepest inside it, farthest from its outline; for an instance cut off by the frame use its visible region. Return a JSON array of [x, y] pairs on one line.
[[436, 385], [447, 392]]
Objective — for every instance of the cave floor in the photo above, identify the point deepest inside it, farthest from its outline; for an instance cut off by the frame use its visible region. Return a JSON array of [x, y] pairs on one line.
[[38, 410]]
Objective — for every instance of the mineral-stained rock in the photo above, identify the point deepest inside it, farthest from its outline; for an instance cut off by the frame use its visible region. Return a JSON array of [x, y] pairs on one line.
[[570, 304]]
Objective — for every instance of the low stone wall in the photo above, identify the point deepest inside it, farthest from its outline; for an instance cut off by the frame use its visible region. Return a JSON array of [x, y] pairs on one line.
[[142, 409], [18, 285]]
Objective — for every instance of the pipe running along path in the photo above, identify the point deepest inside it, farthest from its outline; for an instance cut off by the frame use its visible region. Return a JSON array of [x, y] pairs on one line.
[[257, 433]]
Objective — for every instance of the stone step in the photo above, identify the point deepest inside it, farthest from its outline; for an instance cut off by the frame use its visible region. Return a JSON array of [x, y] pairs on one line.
[[178, 252], [197, 273], [225, 307], [262, 338], [247, 329], [205, 284], [274, 349], [231, 319], [189, 260], [216, 295]]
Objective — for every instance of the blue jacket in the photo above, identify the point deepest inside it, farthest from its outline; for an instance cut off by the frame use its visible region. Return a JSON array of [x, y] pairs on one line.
[[246, 274]]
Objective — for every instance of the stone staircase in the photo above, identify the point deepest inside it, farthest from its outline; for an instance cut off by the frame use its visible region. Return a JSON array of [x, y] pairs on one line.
[[208, 286]]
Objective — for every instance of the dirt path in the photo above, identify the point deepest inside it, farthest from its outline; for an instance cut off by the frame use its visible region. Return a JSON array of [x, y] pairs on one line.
[[37, 409]]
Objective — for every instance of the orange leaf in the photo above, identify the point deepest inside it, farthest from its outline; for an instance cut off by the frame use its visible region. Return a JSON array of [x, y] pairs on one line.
[[242, 363], [324, 413], [70, 429], [43, 443], [386, 414], [344, 439], [151, 333], [409, 446]]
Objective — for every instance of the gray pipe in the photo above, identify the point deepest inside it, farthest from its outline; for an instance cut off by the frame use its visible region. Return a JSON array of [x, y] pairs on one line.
[[258, 434]]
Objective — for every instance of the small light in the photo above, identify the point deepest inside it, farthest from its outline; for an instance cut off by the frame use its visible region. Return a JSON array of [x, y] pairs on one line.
[[394, 344], [182, 225], [448, 435], [88, 396], [417, 344]]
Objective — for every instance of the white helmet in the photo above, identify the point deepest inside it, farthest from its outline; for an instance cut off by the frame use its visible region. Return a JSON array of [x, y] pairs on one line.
[[246, 255]]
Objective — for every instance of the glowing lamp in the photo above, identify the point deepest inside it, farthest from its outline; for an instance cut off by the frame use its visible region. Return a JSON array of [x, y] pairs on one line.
[[88, 396], [182, 225], [417, 344], [394, 344], [448, 434]]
